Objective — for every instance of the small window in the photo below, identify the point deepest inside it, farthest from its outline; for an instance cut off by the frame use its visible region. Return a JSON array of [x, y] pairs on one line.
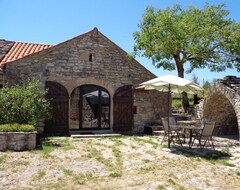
[[90, 57]]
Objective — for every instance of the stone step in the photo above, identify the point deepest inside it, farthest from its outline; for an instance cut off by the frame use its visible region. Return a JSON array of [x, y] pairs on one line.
[[150, 129], [158, 133], [94, 135]]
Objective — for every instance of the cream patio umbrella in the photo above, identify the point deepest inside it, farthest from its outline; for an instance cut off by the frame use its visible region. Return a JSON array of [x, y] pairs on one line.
[[171, 84]]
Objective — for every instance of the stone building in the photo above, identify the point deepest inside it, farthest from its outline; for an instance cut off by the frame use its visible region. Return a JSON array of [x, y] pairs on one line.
[[91, 83]]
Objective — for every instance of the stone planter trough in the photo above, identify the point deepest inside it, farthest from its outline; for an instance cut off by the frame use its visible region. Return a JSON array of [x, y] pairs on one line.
[[17, 141]]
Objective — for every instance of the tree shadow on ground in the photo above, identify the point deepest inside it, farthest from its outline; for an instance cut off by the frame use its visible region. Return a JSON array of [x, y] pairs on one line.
[[48, 141], [205, 153]]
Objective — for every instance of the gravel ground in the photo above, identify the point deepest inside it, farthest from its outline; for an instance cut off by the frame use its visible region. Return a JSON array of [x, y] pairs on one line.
[[126, 162]]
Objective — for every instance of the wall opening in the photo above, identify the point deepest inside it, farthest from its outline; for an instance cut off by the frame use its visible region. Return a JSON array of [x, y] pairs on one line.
[[90, 57], [219, 109], [89, 108]]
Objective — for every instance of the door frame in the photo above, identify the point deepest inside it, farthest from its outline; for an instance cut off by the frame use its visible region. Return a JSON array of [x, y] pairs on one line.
[[80, 108]]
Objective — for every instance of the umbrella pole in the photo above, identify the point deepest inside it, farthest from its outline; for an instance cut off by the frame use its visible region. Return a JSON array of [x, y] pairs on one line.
[[169, 140]]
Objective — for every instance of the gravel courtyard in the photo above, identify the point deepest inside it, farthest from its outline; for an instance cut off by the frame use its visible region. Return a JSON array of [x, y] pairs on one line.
[[125, 162]]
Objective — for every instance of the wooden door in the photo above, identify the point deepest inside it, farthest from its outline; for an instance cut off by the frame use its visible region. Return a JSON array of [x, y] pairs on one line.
[[58, 96], [123, 109]]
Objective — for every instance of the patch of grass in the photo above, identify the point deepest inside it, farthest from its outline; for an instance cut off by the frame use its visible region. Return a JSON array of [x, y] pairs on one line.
[[21, 163], [39, 175], [176, 103], [146, 160], [82, 179], [133, 155], [165, 146], [182, 188], [117, 141], [225, 163], [118, 166], [115, 174], [96, 154], [238, 173], [171, 181], [148, 141], [151, 152], [45, 151], [3, 158], [147, 169], [161, 187], [79, 180], [216, 155], [59, 142], [67, 171]]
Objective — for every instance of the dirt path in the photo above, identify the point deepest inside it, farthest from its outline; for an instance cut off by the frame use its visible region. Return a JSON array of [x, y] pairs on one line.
[[127, 162]]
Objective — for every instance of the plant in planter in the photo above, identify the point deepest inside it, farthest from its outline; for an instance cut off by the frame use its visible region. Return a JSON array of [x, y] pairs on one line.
[[17, 137], [21, 109]]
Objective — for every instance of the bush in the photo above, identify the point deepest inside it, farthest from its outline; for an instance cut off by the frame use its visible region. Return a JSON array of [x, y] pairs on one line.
[[16, 128], [24, 104]]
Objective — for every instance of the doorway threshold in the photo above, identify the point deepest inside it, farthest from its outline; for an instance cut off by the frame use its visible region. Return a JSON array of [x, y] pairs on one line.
[[93, 134]]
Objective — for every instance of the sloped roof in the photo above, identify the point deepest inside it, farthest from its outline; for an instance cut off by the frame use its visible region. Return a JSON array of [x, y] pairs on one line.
[[22, 49]]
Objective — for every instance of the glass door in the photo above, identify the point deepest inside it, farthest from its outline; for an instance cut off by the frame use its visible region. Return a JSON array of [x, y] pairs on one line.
[[94, 107]]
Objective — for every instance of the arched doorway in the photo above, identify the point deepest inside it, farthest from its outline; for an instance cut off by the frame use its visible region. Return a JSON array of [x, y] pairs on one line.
[[218, 108], [89, 108], [59, 100]]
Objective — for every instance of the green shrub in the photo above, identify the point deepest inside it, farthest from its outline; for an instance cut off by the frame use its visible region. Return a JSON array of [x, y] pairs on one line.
[[24, 104], [16, 128]]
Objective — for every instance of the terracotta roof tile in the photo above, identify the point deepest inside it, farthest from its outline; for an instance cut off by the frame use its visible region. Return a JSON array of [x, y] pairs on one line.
[[22, 49]]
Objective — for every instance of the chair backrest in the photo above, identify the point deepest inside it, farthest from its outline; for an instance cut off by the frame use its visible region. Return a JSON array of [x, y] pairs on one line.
[[201, 122], [208, 129], [172, 121], [165, 121]]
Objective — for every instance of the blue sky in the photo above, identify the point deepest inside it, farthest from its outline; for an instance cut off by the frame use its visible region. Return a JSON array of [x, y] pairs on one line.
[[54, 21]]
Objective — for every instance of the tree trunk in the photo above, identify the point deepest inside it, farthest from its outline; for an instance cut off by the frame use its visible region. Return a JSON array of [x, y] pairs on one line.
[[180, 70]]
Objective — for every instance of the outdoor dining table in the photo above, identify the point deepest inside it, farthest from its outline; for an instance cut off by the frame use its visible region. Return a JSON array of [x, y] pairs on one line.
[[191, 126]]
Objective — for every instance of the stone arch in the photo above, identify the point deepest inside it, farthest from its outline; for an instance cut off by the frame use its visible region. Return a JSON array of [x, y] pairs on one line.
[[90, 108], [223, 106]]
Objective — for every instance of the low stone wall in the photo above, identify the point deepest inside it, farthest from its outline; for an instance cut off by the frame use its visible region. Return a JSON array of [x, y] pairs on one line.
[[17, 141]]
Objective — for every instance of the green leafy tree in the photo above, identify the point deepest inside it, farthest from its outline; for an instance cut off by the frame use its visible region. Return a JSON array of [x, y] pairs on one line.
[[201, 37], [207, 86], [195, 78], [24, 104]]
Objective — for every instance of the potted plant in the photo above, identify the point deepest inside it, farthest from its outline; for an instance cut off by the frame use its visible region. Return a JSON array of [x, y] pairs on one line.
[[22, 108], [17, 137]]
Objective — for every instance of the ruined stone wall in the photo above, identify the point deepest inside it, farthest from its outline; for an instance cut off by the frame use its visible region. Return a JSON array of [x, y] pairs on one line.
[[69, 64], [220, 110], [223, 106]]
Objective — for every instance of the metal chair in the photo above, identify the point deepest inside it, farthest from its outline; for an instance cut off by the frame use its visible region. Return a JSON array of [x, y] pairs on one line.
[[205, 135], [174, 131]]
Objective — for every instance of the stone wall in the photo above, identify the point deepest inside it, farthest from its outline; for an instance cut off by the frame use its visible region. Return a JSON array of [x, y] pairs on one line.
[[69, 64], [17, 141], [5, 46], [148, 112]]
